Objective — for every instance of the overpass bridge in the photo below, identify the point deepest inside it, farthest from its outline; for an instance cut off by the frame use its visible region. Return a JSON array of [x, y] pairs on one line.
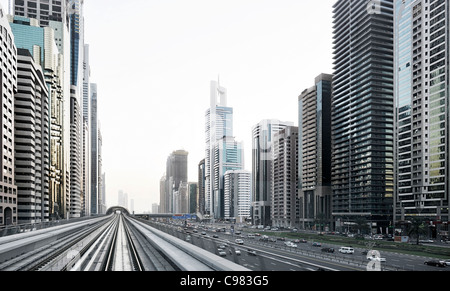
[[148, 216]]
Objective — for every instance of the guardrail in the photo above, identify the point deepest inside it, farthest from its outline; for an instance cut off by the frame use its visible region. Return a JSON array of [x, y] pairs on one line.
[[182, 253]]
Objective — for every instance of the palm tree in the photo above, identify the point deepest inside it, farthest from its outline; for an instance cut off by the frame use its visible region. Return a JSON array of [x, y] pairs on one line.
[[416, 227], [362, 225]]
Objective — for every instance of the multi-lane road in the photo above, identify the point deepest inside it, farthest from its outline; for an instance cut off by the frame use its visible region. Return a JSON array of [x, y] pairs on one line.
[[271, 254]]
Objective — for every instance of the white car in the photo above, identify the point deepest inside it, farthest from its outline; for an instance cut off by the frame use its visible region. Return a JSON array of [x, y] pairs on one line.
[[239, 241], [376, 259]]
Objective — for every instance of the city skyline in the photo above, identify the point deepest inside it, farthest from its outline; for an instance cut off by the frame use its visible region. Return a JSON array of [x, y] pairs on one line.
[[262, 51]]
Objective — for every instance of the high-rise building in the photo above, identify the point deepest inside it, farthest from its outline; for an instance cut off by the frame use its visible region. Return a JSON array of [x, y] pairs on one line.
[[8, 87], [421, 112], [31, 138], [262, 158], [362, 112], [218, 124], [94, 149], [64, 17], [314, 162], [193, 197], [237, 195], [86, 151], [284, 208], [176, 177], [201, 187], [227, 156]]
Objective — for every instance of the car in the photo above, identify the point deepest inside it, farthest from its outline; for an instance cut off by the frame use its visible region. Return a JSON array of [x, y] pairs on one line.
[[328, 250], [374, 258], [251, 252], [215, 236], [203, 233], [237, 252], [346, 250], [222, 253], [436, 263], [239, 241], [316, 244]]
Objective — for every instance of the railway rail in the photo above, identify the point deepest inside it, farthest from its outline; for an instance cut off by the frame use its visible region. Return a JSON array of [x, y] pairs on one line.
[[112, 243]]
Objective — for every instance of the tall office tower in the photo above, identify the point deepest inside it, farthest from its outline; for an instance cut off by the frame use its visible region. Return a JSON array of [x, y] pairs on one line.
[[421, 111], [238, 195], [201, 187], [176, 175], [31, 138], [76, 115], [262, 158], [101, 201], [163, 208], [227, 155], [8, 87], [285, 178], [86, 167], [314, 163], [362, 112], [94, 150], [193, 197], [218, 124]]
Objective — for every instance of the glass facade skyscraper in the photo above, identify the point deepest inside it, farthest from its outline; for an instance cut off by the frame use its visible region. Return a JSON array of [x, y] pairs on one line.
[[422, 110], [362, 112], [314, 166]]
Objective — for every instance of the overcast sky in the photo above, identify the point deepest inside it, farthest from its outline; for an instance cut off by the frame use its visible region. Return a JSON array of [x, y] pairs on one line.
[[153, 61]]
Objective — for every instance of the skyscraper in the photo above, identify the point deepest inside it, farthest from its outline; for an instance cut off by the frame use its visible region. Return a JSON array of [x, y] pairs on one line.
[[218, 124], [314, 163], [94, 150], [284, 206], [31, 138], [362, 112], [227, 156], [421, 111], [64, 17], [262, 158], [8, 87], [176, 178]]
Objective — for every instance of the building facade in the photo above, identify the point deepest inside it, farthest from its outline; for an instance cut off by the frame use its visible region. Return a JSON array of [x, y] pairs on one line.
[[237, 195], [314, 162], [8, 87], [362, 113], [284, 201], [421, 112], [218, 125], [31, 138], [262, 158]]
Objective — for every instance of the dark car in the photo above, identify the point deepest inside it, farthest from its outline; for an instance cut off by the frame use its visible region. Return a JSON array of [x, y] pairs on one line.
[[435, 263], [328, 250]]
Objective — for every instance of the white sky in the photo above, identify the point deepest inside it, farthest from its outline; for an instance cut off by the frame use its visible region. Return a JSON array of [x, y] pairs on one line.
[[153, 61]]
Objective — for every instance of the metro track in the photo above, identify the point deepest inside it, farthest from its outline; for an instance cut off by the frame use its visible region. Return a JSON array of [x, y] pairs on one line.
[[111, 243]]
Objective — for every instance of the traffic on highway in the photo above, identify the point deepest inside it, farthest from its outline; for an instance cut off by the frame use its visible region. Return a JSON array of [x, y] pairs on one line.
[[264, 250]]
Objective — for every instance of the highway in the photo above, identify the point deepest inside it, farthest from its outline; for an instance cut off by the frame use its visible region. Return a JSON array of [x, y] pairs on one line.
[[274, 255]]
